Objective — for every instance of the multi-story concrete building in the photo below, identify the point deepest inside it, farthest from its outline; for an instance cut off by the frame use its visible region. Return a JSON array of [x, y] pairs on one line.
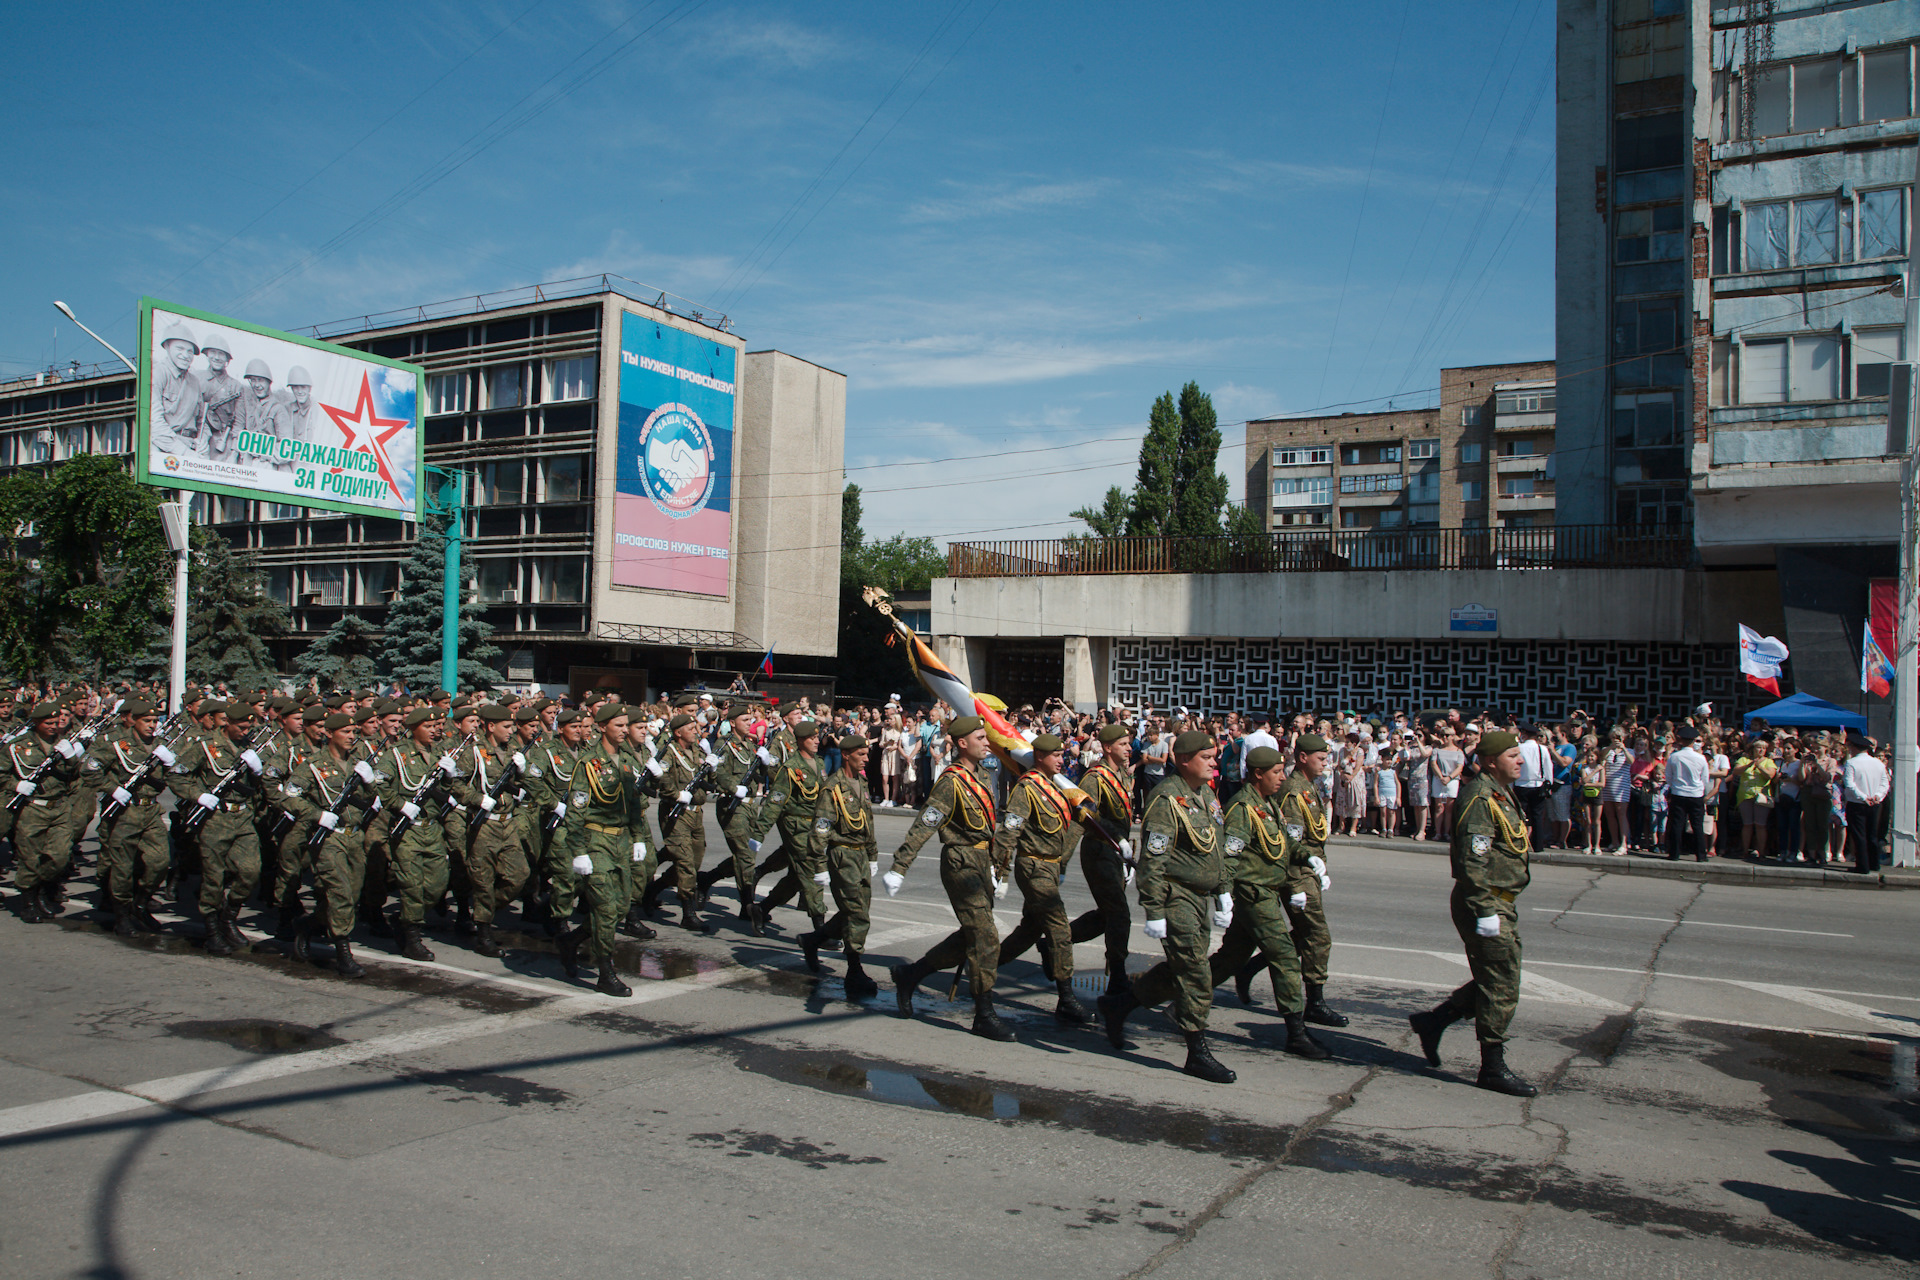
[[1482, 458], [522, 398], [1735, 189]]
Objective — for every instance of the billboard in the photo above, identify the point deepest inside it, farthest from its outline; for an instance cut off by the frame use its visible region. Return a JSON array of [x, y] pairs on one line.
[[231, 408], [673, 485]]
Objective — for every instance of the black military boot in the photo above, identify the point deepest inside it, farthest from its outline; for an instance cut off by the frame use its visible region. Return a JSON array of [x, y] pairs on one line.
[[906, 981], [810, 949], [1317, 1010], [1115, 1005], [143, 918], [123, 926], [483, 943], [1429, 1024], [1202, 1064], [568, 943], [343, 962], [410, 944], [693, 922], [986, 1023], [1302, 1045], [1243, 982], [231, 920], [825, 944], [1495, 1077], [300, 940], [609, 983], [1069, 1009], [463, 923], [755, 918], [378, 925], [859, 986], [53, 898], [635, 927], [705, 881], [30, 908], [218, 944]]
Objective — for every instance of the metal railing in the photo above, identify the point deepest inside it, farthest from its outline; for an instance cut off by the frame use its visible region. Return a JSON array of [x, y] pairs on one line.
[[1332, 551], [526, 295]]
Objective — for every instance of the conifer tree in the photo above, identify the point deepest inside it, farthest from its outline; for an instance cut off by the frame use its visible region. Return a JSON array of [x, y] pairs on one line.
[[229, 617], [411, 646]]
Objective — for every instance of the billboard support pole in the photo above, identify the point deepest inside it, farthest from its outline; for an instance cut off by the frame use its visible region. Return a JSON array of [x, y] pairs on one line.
[[446, 500]]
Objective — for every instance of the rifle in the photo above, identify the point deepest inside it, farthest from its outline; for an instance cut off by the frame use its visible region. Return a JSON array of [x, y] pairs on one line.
[[170, 729], [701, 778], [433, 779], [500, 784], [198, 817], [362, 772], [31, 783], [759, 771]]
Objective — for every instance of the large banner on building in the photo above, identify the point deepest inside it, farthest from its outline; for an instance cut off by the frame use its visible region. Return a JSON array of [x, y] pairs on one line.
[[673, 488], [228, 407]]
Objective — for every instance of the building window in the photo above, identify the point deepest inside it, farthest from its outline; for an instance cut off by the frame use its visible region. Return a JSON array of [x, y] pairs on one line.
[[499, 484], [1424, 486], [563, 479], [1644, 420], [1720, 373], [1473, 491], [1822, 93], [378, 582], [280, 585], [447, 393], [326, 585], [571, 379], [111, 437], [1647, 142], [1801, 368], [277, 511], [1418, 450], [1470, 415], [1874, 352], [1883, 224], [1516, 448], [1366, 455], [1649, 235], [1517, 486], [1390, 483], [1355, 519], [1536, 400], [497, 581], [1301, 517], [560, 579], [1471, 452], [1302, 457], [1812, 232], [1391, 518], [1650, 51], [69, 442], [1648, 328], [506, 387]]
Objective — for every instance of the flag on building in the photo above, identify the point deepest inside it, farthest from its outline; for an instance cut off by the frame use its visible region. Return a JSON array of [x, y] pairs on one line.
[[1760, 659], [1876, 673], [766, 664]]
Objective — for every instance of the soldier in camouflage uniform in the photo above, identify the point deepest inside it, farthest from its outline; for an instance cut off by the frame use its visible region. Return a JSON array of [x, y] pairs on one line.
[[417, 860], [1305, 817], [962, 811], [790, 804], [223, 776], [496, 852], [736, 781], [289, 847], [682, 813], [610, 848], [1490, 869], [332, 790], [1108, 864], [552, 793], [133, 847], [1036, 835], [843, 822], [1183, 875]]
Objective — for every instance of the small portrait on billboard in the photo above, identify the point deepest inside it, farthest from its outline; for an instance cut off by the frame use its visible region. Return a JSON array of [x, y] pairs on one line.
[[337, 430]]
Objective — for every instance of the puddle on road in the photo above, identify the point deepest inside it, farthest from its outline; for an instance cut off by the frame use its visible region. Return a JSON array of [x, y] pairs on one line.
[[651, 960], [1827, 1083], [1117, 1119], [256, 1035]]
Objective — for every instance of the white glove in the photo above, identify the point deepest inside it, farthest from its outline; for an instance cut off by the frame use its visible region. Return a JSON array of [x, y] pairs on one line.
[[166, 756], [583, 865], [1319, 865], [67, 748], [519, 760], [363, 770], [1126, 850], [329, 819], [1156, 928], [487, 803], [893, 880], [713, 761], [740, 792], [1487, 926], [754, 845], [1127, 872], [655, 768], [1298, 902], [766, 757], [685, 797], [1224, 915], [1000, 887], [559, 808], [1326, 883], [448, 767], [26, 788], [639, 850], [122, 796], [209, 801], [411, 809], [251, 759], [873, 869], [822, 879]]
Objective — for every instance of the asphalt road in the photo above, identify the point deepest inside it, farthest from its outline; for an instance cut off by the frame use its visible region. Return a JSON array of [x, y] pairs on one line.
[[1728, 1088]]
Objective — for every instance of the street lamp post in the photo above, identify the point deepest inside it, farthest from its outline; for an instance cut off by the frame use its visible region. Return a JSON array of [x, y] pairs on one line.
[[173, 520]]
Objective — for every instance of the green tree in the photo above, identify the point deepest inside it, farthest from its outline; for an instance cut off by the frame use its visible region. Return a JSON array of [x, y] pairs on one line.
[[898, 564], [343, 655], [1109, 520], [229, 617], [27, 620], [1151, 507], [104, 562], [1200, 491], [411, 646]]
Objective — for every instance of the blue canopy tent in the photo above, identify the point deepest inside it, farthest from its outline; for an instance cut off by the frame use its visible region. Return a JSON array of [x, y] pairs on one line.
[[1803, 709]]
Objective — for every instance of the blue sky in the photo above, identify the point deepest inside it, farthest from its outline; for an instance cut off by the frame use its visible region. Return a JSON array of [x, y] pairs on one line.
[[1010, 225]]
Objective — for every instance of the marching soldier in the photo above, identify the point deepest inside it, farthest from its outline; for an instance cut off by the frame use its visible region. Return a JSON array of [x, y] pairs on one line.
[[45, 769], [287, 848], [417, 861], [609, 851], [1036, 835], [961, 810], [1259, 858], [1490, 869], [1304, 816], [843, 822], [790, 805], [223, 776], [133, 850], [561, 803], [496, 853], [683, 835], [1183, 875], [313, 794], [733, 783], [528, 733]]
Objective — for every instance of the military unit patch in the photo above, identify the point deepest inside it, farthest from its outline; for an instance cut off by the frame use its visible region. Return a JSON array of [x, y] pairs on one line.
[[933, 817], [1234, 845], [1482, 845], [1157, 841]]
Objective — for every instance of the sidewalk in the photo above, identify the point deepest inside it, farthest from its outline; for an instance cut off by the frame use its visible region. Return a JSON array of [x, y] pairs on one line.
[[1715, 870]]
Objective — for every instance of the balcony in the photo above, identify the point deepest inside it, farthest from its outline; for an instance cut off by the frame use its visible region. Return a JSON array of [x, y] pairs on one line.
[[1522, 464], [1510, 422], [1335, 550]]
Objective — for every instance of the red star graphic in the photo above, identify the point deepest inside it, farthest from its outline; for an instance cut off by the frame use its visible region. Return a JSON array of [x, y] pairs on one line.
[[363, 430]]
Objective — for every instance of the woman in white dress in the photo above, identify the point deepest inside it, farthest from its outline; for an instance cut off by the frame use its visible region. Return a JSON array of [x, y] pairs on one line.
[[892, 762]]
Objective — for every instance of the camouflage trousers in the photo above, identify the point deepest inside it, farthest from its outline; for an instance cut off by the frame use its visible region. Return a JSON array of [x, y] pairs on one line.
[[134, 854], [40, 847], [966, 873], [1186, 975], [1260, 928], [1311, 938], [1494, 991], [1043, 914], [496, 865], [229, 861], [339, 875]]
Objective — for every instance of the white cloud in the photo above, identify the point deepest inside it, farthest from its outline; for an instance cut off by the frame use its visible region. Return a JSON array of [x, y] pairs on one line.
[[1234, 402], [773, 42], [1001, 199]]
